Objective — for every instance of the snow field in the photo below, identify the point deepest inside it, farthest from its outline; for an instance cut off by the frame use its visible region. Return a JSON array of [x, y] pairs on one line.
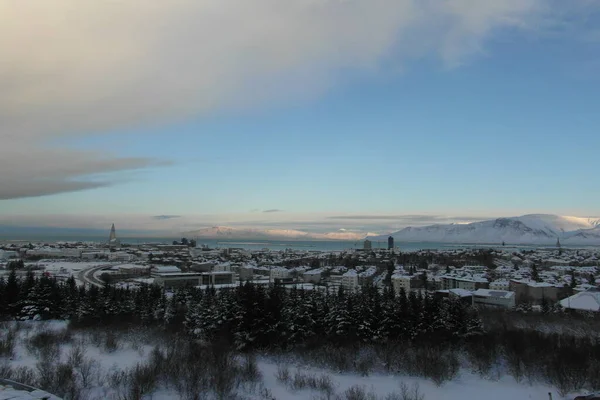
[[109, 354]]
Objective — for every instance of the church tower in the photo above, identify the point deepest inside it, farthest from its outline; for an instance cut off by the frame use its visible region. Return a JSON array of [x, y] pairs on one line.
[[112, 239]]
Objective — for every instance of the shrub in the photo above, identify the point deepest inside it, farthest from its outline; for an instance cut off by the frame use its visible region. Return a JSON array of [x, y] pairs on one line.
[[7, 342]]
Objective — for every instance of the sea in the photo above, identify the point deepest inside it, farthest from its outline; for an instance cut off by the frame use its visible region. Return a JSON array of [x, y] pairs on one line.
[[276, 245]]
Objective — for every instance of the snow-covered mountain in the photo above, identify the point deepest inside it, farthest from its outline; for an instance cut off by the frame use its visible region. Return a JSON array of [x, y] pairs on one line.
[[527, 229], [222, 232]]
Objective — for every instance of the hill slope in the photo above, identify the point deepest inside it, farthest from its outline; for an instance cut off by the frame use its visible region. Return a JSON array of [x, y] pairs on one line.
[[527, 229]]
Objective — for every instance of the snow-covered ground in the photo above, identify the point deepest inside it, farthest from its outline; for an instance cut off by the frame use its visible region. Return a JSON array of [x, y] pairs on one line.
[[133, 348]]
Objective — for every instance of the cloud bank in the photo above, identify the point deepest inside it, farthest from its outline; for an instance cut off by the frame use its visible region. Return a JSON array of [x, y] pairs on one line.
[[72, 67]]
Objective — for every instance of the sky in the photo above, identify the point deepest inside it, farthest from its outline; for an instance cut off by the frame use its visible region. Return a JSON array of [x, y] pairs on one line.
[[318, 115]]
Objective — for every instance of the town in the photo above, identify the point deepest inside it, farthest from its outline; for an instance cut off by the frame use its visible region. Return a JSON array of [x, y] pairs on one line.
[[536, 279]]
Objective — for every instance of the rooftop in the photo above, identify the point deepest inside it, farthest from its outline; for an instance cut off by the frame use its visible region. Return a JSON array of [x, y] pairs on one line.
[[503, 294]]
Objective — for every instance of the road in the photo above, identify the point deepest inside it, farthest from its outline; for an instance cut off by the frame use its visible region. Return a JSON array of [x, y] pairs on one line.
[[86, 276]]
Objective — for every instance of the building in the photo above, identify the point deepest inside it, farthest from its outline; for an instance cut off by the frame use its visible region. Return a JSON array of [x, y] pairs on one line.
[[312, 276], [400, 282], [453, 282], [390, 243], [533, 292], [499, 285], [120, 256], [112, 238], [494, 298], [350, 280], [174, 280], [367, 245], [463, 295], [132, 269], [8, 254], [583, 301], [203, 266], [94, 255], [366, 277], [246, 273], [217, 278], [280, 275], [164, 269]]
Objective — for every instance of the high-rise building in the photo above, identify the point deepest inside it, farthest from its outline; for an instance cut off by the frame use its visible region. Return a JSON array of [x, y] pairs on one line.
[[390, 243], [367, 245], [112, 239]]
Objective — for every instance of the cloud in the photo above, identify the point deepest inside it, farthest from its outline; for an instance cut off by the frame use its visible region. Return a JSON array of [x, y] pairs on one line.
[[273, 210], [412, 219], [164, 217], [29, 170], [72, 67]]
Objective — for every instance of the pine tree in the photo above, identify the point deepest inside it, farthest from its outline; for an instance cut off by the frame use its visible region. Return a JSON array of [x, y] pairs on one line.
[[12, 294], [535, 274]]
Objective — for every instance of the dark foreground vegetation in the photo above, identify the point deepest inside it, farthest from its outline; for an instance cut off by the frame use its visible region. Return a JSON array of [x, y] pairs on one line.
[[206, 341]]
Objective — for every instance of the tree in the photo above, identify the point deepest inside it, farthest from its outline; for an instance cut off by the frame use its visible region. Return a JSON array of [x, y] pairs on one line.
[[106, 278], [573, 280], [592, 279], [535, 275]]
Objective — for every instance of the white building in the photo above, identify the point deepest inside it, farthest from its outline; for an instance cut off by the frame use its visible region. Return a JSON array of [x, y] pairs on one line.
[[499, 285], [280, 273], [54, 252], [120, 256], [350, 280], [246, 273], [497, 298], [313, 276], [164, 269], [400, 281], [94, 255]]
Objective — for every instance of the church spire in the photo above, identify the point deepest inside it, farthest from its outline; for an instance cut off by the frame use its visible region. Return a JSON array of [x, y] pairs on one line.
[[112, 239]]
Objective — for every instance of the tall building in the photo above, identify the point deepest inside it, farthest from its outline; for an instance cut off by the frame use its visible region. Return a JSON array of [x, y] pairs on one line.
[[367, 245], [112, 239], [390, 243]]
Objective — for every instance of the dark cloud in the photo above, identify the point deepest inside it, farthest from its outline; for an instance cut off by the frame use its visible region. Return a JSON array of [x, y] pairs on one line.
[[273, 210], [163, 217], [40, 172]]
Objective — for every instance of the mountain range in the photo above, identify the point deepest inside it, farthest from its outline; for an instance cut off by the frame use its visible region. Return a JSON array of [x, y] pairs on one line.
[[526, 229]]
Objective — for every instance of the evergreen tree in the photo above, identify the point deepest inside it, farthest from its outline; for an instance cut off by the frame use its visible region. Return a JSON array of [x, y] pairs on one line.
[[11, 294], [535, 273]]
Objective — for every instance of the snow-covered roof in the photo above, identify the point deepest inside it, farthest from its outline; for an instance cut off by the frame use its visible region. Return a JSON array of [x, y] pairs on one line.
[[460, 292], [165, 269], [317, 271], [584, 301], [503, 294]]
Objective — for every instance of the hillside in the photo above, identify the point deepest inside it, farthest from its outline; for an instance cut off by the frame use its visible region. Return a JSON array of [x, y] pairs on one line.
[[527, 229]]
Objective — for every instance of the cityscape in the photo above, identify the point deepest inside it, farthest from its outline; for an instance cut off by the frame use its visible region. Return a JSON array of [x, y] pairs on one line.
[[299, 200]]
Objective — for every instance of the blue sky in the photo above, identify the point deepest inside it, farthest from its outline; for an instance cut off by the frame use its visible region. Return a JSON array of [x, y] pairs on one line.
[[510, 129]]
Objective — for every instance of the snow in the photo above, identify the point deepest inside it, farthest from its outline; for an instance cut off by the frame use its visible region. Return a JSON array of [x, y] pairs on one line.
[[7, 392], [162, 269], [503, 294], [527, 229], [584, 301], [67, 266], [467, 386], [135, 348]]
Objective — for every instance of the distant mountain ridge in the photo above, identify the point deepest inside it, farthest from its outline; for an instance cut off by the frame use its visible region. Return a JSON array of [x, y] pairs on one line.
[[223, 232], [526, 229]]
